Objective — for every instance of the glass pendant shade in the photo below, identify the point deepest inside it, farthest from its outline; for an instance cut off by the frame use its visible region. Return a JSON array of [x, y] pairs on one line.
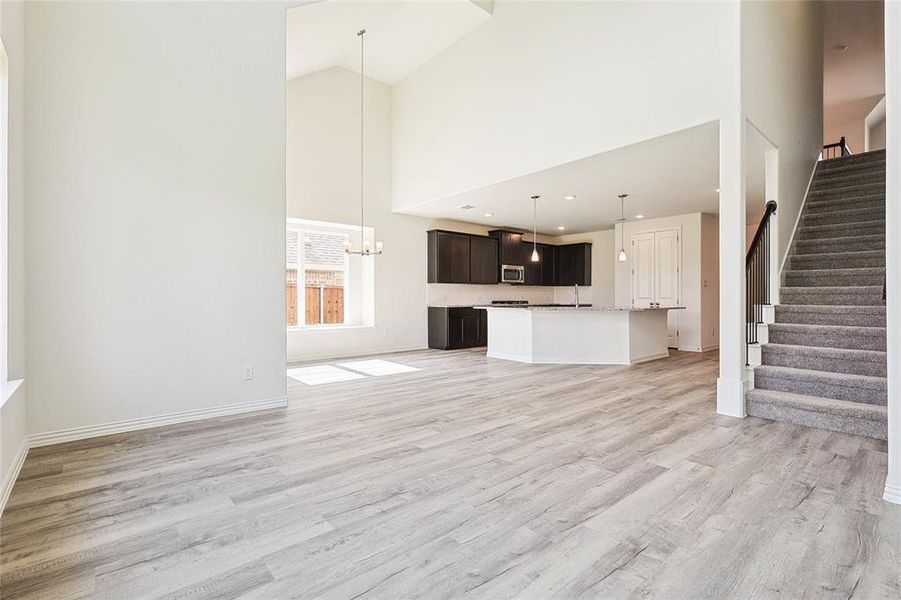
[[621, 257], [534, 255]]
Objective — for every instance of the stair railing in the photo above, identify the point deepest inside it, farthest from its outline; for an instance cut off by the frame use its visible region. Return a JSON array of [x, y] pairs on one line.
[[835, 150], [757, 277]]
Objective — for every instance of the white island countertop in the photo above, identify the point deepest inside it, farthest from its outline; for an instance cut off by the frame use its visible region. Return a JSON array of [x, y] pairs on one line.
[[598, 335]]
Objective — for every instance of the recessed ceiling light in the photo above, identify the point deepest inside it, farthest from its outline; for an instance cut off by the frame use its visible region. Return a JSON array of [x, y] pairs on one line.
[[561, 228], [489, 214], [569, 197], [466, 207], [639, 216]]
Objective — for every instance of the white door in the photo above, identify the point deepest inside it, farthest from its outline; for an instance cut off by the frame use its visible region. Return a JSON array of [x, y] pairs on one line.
[[643, 270], [667, 278], [656, 274]]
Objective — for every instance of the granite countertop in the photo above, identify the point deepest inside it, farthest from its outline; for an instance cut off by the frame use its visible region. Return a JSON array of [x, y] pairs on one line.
[[586, 308]]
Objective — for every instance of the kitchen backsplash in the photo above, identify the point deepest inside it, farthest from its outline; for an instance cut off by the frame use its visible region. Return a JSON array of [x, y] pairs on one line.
[[459, 294]]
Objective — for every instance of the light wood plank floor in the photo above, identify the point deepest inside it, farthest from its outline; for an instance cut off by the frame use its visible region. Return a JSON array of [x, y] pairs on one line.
[[470, 478]]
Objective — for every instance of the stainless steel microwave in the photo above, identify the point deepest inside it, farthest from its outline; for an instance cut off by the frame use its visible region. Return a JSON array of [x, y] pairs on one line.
[[513, 274]]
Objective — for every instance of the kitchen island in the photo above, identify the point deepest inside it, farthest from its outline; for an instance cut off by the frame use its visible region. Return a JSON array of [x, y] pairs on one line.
[[577, 335]]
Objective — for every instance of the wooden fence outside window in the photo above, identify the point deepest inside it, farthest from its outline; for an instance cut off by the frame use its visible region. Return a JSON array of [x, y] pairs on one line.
[[323, 304]]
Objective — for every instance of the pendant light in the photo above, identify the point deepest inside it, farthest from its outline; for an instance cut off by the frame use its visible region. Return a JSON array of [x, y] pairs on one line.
[[622, 257], [365, 248], [535, 257]]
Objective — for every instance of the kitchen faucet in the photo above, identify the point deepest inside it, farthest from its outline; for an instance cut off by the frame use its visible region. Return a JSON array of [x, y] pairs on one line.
[[577, 295]]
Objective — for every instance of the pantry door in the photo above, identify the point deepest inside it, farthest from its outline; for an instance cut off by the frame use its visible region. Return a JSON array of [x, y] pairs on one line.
[[656, 274], [643, 269], [667, 270]]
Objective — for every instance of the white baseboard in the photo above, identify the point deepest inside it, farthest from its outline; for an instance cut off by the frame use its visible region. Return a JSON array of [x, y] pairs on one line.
[[10, 480], [81, 433], [710, 347], [892, 494]]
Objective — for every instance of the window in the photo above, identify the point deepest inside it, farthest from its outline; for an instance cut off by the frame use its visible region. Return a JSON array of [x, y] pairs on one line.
[[320, 276]]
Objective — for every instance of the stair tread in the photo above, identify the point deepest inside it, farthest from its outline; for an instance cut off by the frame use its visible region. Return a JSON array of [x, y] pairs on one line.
[[847, 254], [841, 353], [873, 237], [823, 206], [832, 288], [817, 328], [846, 211], [845, 408], [841, 226], [841, 271], [833, 308], [845, 379]]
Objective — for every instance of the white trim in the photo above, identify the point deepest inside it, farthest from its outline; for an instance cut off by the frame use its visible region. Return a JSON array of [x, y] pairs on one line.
[[892, 494], [710, 347], [876, 116], [13, 474], [791, 239], [8, 389], [90, 431]]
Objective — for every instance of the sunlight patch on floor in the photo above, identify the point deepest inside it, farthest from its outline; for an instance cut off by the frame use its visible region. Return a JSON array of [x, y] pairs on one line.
[[347, 371]]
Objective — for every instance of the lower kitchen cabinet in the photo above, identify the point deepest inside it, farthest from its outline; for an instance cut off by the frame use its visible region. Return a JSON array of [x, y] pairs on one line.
[[454, 327]]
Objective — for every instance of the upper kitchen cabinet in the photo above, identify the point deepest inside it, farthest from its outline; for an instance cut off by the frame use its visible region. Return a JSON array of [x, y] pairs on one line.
[[509, 247], [462, 258], [541, 272], [573, 264], [449, 257], [483, 265]]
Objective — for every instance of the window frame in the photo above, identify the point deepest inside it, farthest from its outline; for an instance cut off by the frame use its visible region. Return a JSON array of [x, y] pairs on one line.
[[302, 226]]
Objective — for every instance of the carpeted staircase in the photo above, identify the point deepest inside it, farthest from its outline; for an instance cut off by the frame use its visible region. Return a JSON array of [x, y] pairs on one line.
[[824, 363]]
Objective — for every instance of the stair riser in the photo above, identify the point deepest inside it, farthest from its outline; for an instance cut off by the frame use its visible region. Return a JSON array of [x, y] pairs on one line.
[[849, 244], [828, 181], [829, 340], [853, 160], [864, 395], [831, 298], [841, 230], [857, 215], [817, 318], [824, 279], [802, 262], [859, 169], [872, 429], [874, 202], [846, 191]]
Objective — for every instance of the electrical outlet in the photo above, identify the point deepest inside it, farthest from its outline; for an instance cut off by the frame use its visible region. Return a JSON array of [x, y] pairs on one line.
[[247, 372]]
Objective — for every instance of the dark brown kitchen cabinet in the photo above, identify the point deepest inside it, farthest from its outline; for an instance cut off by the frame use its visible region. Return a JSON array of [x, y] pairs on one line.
[[573, 264], [455, 327], [449, 257], [548, 255], [461, 258], [509, 247], [483, 265]]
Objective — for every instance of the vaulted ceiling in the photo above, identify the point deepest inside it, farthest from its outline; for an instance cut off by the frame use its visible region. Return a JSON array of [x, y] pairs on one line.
[[400, 36]]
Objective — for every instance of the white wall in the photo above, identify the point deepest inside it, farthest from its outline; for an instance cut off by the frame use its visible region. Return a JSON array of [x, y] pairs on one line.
[[543, 83], [13, 410], [782, 93], [893, 243], [156, 209], [695, 324]]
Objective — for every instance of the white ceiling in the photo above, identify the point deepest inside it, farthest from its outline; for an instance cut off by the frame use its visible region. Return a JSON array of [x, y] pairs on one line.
[[859, 71], [669, 175], [400, 36]]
